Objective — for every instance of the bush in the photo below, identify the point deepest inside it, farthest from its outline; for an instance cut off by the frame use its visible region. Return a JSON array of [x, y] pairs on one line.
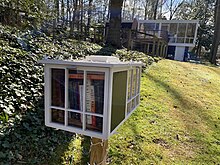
[[23, 136]]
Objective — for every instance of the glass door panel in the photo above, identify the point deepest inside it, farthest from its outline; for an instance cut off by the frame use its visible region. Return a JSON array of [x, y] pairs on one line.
[[58, 87], [75, 90], [95, 92]]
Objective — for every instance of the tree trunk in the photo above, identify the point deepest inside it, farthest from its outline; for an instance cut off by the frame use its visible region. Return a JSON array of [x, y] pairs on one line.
[[114, 32], [104, 12], [63, 12], [67, 11], [133, 10], [89, 13], [72, 25], [216, 37], [57, 10], [155, 9], [146, 10], [89, 17], [77, 14], [81, 17], [171, 10]]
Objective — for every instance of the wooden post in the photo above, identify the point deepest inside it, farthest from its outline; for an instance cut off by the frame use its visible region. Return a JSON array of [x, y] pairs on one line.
[[148, 47], [145, 44], [129, 39], [165, 53], [153, 50], [161, 49], [98, 151], [157, 48]]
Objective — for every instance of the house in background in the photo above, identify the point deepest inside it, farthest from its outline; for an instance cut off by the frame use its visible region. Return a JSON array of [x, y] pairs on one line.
[[179, 35]]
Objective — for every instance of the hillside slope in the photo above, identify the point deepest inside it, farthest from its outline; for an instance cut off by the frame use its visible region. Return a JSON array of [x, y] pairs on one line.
[[24, 138], [178, 121]]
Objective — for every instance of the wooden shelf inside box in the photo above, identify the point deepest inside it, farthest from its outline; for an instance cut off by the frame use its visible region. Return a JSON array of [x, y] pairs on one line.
[[74, 122], [77, 123], [91, 77], [93, 128]]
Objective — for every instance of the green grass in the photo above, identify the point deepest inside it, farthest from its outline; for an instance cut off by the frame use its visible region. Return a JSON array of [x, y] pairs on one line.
[[178, 121]]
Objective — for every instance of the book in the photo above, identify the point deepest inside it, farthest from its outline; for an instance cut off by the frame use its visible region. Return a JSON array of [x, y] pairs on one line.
[[90, 102], [94, 97]]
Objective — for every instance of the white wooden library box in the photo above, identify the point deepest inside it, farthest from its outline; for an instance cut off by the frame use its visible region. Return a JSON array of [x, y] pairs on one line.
[[93, 96]]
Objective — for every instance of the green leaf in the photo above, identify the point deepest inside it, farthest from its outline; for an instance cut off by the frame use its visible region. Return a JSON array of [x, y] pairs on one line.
[[6, 144], [2, 155]]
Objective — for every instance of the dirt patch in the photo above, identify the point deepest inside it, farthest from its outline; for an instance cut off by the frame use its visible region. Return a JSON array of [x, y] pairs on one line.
[[161, 142]]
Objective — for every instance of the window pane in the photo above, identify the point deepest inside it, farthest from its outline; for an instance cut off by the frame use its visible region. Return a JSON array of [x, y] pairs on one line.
[[94, 123], [75, 90], [129, 83], [191, 29], [180, 40], [137, 99], [58, 87], [95, 92], [134, 82], [128, 107], [181, 30], [150, 26], [164, 26], [75, 119], [173, 29], [133, 104], [138, 80], [57, 116]]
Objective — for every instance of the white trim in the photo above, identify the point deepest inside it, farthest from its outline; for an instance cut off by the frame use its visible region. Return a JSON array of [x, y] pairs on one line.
[[47, 94], [168, 21], [186, 33], [77, 130], [196, 31], [132, 98], [74, 110], [66, 96], [126, 105], [110, 102], [58, 108], [181, 44], [159, 32], [105, 106], [89, 63], [94, 114], [84, 99]]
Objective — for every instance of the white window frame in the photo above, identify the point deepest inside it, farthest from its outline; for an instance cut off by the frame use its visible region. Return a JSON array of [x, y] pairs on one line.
[[48, 106]]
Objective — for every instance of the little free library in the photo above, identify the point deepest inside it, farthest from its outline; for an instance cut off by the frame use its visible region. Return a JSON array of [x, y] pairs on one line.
[[92, 96]]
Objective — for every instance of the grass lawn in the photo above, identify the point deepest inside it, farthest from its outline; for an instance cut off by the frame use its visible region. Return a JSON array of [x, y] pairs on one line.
[[178, 121]]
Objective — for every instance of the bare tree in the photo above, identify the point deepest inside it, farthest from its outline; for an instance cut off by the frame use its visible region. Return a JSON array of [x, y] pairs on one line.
[[114, 35], [63, 12], [216, 37], [156, 4], [173, 6]]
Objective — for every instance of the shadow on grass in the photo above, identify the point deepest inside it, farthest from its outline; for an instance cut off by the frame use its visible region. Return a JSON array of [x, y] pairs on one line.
[[174, 93], [215, 69], [192, 108], [29, 141]]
